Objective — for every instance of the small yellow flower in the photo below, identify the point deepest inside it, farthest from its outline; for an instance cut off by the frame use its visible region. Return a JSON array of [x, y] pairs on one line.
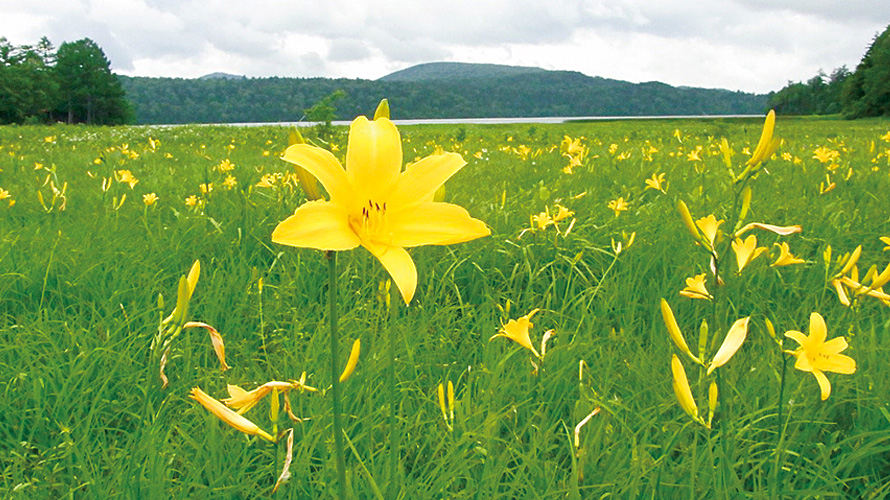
[[746, 251], [709, 226], [825, 155], [562, 213], [695, 288], [816, 356], [206, 188], [4, 194], [191, 201], [542, 220], [517, 331], [656, 182], [225, 166], [149, 199], [230, 182], [695, 154], [125, 176], [785, 257], [618, 206]]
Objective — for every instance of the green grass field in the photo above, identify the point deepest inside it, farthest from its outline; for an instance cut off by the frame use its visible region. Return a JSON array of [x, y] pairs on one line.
[[84, 258]]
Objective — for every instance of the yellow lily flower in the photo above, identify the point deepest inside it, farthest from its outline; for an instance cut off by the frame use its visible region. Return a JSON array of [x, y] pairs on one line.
[[886, 241], [562, 213], [149, 199], [618, 206], [708, 226], [656, 182], [695, 288], [746, 251], [785, 257], [766, 146], [373, 203], [816, 356], [229, 416], [517, 331]]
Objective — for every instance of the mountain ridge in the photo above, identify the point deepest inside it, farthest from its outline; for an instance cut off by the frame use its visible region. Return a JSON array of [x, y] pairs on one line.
[[432, 90]]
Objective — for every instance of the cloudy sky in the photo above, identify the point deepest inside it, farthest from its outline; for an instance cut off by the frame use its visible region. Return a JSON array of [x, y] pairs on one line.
[[749, 45]]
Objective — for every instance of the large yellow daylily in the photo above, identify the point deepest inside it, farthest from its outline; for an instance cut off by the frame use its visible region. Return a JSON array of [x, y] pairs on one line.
[[815, 355], [373, 203]]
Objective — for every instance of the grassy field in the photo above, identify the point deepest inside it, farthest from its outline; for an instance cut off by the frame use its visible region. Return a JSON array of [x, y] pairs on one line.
[[86, 251]]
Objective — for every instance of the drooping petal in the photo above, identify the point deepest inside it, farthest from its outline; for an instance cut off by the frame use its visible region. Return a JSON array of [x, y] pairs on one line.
[[373, 158], [421, 180], [824, 384], [433, 223], [731, 344], [399, 265], [323, 165], [317, 224]]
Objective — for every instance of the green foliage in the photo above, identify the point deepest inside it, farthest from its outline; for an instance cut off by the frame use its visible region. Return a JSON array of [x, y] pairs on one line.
[[84, 415], [74, 85], [323, 113], [867, 92], [541, 93], [820, 95]]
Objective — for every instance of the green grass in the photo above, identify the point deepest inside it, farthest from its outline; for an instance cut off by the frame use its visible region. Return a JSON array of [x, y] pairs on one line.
[[84, 414]]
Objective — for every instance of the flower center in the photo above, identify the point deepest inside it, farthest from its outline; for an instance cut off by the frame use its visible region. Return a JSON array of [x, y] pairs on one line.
[[372, 222]]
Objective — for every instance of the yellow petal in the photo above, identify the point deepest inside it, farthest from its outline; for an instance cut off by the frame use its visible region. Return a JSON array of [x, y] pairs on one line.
[[434, 223], [322, 164], [317, 224], [421, 179], [399, 265], [799, 337], [818, 330], [681, 387], [824, 384], [731, 344], [373, 157]]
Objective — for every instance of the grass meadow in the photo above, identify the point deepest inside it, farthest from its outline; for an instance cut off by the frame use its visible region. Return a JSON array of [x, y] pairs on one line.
[[97, 225]]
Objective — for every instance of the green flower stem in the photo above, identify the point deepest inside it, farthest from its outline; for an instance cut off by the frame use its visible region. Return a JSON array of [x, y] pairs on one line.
[[777, 466], [391, 393], [335, 376]]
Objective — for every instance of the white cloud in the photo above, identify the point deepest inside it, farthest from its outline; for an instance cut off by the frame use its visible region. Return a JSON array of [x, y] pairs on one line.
[[753, 45]]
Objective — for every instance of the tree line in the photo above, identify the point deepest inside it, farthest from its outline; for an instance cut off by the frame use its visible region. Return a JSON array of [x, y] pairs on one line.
[[74, 84], [864, 92]]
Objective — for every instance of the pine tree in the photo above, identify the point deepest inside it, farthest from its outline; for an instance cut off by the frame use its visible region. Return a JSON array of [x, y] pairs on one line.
[[88, 91]]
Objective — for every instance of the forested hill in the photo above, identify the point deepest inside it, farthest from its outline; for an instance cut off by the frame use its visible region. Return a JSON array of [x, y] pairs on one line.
[[438, 90]]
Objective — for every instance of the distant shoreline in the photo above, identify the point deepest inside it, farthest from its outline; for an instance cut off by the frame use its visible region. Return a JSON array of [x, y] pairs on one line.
[[473, 121]]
